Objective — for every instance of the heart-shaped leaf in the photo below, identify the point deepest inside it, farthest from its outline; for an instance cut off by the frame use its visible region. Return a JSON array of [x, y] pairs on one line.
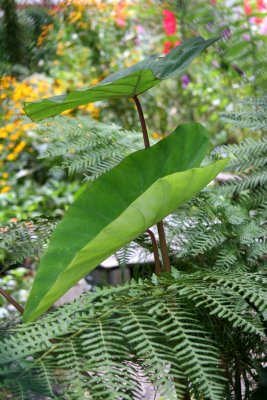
[[128, 82], [117, 207]]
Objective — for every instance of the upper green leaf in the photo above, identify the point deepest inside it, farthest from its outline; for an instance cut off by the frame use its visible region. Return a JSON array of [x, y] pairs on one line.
[[128, 82], [117, 207]]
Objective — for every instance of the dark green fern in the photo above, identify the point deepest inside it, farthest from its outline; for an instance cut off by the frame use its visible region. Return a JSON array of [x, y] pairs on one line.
[[168, 327]]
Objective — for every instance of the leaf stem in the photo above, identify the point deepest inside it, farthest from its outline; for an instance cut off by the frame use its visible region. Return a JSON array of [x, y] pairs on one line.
[[11, 300], [142, 121], [163, 247], [155, 251], [160, 227]]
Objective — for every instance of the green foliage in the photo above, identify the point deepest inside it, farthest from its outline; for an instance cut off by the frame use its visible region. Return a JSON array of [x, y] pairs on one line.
[[127, 83], [12, 41], [168, 327], [119, 206], [19, 32], [242, 52], [31, 199], [24, 239], [249, 161], [85, 146], [225, 228], [252, 114]]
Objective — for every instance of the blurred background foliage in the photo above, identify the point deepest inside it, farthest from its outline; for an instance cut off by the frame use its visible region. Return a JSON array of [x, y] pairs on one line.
[[48, 48]]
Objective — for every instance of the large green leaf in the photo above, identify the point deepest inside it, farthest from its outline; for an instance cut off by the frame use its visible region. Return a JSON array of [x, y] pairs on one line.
[[128, 82], [117, 207]]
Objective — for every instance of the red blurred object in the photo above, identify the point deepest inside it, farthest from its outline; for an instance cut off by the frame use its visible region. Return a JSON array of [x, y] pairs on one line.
[[247, 7], [167, 47], [169, 22], [257, 20], [120, 16]]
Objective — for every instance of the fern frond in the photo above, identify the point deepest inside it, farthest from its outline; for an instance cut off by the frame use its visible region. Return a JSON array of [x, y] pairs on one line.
[[193, 346], [253, 114], [254, 200], [86, 146], [226, 257], [257, 251], [250, 288], [152, 349], [244, 154], [94, 344], [241, 183], [24, 239]]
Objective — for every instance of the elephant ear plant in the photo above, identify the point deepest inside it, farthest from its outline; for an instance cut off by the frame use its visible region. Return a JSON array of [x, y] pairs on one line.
[[194, 335], [138, 193]]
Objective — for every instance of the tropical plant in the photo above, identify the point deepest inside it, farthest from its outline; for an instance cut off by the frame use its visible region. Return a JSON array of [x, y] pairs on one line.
[[149, 171], [183, 331]]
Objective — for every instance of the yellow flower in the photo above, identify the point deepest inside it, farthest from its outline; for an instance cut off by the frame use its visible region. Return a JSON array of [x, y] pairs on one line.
[[157, 135], [11, 157], [10, 127], [15, 136], [8, 115], [27, 126], [5, 175], [19, 147], [3, 134], [92, 109], [6, 81], [95, 81], [60, 49], [5, 189], [44, 33], [75, 16], [82, 25], [43, 87]]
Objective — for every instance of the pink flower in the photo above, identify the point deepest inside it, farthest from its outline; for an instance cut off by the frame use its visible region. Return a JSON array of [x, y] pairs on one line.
[[120, 21], [261, 6], [263, 30], [169, 22]]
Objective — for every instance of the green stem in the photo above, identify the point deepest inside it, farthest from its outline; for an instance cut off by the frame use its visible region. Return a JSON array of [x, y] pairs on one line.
[[11, 300], [160, 227]]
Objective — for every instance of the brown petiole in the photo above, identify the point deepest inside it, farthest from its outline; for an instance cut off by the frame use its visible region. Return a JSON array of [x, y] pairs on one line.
[[155, 252], [11, 300], [160, 227]]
